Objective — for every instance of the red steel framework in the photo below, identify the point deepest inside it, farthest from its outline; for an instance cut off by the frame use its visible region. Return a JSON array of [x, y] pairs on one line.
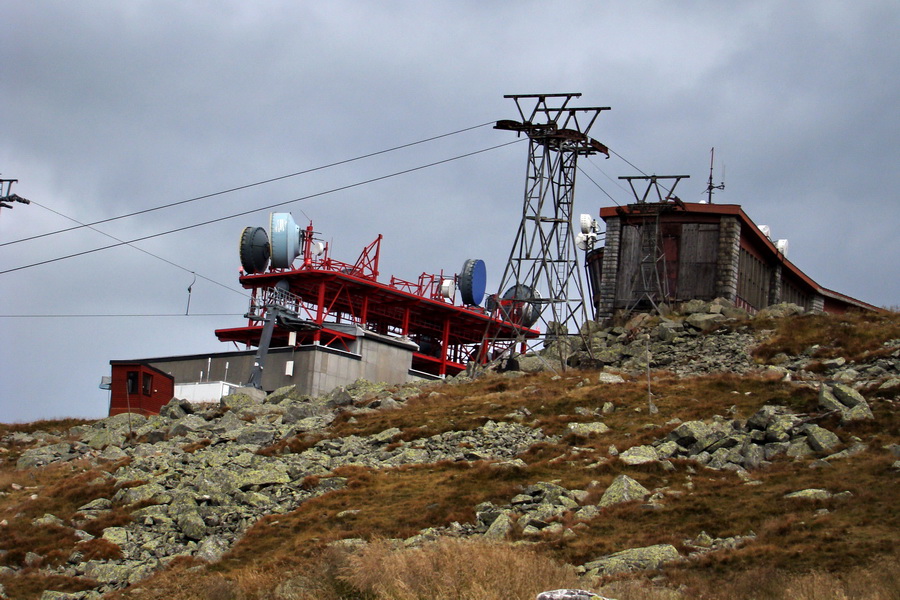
[[327, 295]]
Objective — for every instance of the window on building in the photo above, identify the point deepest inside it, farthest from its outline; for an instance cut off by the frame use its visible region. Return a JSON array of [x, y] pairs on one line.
[[131, 382], [147, 384]]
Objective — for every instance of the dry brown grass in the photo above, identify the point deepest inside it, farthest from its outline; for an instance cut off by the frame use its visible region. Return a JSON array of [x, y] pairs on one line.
[[455, 569], [854, 336], [54, 426], [875, 581], [802, 549], [56, 489]]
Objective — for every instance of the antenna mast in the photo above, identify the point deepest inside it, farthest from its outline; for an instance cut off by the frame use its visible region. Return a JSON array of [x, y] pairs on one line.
[[543, 263], [710, 186]]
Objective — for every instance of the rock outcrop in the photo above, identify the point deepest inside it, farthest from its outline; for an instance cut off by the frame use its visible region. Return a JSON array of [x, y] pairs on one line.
[[198, 476]]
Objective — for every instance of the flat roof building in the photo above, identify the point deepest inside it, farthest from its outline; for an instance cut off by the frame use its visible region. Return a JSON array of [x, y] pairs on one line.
[[673, 251]]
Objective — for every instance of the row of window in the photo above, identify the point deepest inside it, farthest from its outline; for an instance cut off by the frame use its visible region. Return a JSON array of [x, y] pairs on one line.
[[131, 383]]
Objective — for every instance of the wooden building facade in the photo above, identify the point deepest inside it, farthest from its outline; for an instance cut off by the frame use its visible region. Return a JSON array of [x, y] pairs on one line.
[[139, 387], [670, 252]]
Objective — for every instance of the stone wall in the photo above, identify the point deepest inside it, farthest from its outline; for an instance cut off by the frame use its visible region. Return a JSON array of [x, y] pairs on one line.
[[775, 285], [610, 268], [728, 258]]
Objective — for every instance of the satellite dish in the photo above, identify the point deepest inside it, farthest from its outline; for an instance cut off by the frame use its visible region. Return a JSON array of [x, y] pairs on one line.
[[448, 289], [585, 241], [472, 282], [316, 248], [521, 310], [782, 246], [254, 249], [587, 223], [286, 238]]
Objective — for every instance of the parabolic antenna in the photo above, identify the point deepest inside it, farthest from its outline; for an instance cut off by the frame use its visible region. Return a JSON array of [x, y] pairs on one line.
[[254, 248], [585, 241], [286, 238], [448, 289], [472, 281], [521, 311], [586, 222]]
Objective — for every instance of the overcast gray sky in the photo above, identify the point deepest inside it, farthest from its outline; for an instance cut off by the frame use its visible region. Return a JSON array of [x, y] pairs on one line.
[[110, 107]]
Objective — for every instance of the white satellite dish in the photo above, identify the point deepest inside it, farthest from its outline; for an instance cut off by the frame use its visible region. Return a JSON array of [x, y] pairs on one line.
[[585, 241], [587, 223], [782, 246], [448, 289]]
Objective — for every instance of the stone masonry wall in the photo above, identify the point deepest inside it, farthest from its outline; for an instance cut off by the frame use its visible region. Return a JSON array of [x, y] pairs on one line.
[[728, 258], [610, 268]]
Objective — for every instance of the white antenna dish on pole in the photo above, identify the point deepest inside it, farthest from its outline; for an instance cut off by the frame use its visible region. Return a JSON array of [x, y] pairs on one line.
[[587, 223], [585, 241]]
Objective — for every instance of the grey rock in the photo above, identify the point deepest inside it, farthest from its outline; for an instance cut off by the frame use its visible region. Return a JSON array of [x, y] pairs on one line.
[[847, 396], [703, 321], [105, 437], [639, 455], [176, 409], [810, 494], [848, 452], [799, 448], [587, 429], [846, 400], [48, 519], [116, 535], [819, 438], [634, 559], [256, 436], [188, 424], [212, 548], [610, 378], [779, 311], [687, 434], [623, 489], [500, 528]]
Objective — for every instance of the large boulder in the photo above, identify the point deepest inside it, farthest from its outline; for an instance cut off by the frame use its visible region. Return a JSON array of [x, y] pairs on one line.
[[704, 321], [634, 559], [639, 455], [623, 489], [846, 400], [587, 429], [779, 311]]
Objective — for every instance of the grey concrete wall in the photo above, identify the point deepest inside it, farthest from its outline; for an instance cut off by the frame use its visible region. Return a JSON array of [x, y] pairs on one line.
[[317, 370]]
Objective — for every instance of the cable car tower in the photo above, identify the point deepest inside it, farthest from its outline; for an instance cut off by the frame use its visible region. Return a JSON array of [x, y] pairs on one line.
[[542, 278]]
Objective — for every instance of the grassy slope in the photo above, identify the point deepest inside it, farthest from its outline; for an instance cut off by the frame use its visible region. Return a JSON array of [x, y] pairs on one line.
[[792, 536]]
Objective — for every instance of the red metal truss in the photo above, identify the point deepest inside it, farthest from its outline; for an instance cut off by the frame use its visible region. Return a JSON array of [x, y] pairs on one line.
[[329, 295]]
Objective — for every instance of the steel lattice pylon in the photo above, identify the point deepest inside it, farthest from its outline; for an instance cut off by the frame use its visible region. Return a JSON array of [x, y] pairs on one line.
[[542, 279]]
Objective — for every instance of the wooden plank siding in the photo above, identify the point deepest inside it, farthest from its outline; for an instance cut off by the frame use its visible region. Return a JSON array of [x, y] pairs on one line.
[[697, 261], [791, 293], [629, 264], [753, 280]]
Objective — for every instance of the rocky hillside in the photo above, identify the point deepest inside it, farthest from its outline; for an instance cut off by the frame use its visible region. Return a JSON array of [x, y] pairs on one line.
[[680, 450]]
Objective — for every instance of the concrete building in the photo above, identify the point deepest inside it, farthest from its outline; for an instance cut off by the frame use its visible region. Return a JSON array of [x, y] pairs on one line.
[[314, 369]]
